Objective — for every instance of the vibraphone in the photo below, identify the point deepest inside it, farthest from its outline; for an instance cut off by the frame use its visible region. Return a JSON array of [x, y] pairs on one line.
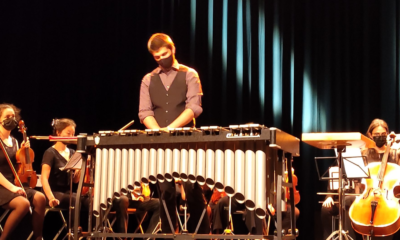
[[244, 160]]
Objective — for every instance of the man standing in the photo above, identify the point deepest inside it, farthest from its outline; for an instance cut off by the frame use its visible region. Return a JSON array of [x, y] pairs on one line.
[[170, 96]]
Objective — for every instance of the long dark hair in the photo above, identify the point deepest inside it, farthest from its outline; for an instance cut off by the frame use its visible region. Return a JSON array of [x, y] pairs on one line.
[[377, 123]]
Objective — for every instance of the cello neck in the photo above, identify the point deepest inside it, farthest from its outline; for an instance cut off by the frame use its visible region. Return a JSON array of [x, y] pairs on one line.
[[385, 157]]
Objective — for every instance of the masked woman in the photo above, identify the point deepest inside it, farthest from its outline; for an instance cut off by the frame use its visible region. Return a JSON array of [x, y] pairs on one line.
[[12, 197], [378, 130]]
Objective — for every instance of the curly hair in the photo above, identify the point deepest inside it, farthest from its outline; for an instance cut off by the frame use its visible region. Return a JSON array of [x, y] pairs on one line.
[[17, 111]]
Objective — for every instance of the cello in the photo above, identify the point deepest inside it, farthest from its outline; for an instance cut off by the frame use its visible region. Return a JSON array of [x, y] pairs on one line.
[[25, 158], [376, 212]]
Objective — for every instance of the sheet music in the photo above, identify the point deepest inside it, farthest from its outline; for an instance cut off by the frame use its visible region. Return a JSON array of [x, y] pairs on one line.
[[353, 163], [73, 163]]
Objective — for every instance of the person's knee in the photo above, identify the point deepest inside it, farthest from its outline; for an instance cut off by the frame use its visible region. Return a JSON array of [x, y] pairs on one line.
[[39, 199], [122, 203], [22, 204]]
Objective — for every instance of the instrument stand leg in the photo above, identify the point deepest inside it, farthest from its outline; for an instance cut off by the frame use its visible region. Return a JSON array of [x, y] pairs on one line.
[[366, 237], [90, 223], [341, 234], [184, 226], [70, 209], [229, 229], [338, 235]]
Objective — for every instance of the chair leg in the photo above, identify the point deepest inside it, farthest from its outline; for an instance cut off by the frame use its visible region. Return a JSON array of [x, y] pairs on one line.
[[140, 223], [65, 225], [2, 218], [31, 235]]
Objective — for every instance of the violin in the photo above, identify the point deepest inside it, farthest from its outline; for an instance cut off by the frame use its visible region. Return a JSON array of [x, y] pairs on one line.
[[85, 190], [294, 182], [376, 212], [25, 157]]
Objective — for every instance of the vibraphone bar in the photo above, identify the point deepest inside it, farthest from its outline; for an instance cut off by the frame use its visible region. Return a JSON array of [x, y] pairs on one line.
[[243, 160]]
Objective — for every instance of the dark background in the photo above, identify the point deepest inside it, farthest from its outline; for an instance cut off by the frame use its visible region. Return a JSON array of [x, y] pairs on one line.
[[299, 65]]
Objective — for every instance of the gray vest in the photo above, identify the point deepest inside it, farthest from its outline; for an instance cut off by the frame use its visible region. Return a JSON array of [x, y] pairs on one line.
[[168, 105]]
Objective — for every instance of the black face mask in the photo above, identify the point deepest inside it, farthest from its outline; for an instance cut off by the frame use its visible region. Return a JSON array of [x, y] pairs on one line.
[[166, 63], [380, 141], [9, 124]]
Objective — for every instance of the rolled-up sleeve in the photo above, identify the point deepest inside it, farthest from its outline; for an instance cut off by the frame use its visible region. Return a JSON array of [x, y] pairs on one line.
[[145, 104], [194, 92]]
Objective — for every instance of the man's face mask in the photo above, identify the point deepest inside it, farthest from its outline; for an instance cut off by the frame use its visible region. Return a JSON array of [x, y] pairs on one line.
[[379, 141], [9, 123], [166, 63]]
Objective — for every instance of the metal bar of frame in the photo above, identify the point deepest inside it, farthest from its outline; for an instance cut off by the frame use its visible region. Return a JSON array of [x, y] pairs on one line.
[[81, 148], [291, 192]]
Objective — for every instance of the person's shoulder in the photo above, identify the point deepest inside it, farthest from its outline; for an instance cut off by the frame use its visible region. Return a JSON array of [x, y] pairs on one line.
[[50, 152], [148, 76], [50, 149], [188, 70], [184, 68], [366, 151]]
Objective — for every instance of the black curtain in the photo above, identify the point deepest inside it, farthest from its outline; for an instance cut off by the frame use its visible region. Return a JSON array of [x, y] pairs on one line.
[[299, 65]]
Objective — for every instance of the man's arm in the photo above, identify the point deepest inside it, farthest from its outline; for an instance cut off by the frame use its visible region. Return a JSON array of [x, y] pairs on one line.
[[184, 118], [194, 93], [146, 113], [151, 123]]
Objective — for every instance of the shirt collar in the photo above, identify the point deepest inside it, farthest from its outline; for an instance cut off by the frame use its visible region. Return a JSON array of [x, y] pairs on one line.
[[175, 66]]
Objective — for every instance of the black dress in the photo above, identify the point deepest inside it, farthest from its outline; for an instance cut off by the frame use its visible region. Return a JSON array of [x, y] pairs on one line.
[[59, 181], [6, 195]]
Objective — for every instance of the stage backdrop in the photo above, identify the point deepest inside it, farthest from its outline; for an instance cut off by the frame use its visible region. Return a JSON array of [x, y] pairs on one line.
[[299, 65]]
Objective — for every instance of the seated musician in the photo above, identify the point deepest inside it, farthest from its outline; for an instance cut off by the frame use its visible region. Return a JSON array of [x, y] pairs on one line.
[[12, 197], [220, 216], [170, 97], [56, 183], [141, 201], [378, 130]]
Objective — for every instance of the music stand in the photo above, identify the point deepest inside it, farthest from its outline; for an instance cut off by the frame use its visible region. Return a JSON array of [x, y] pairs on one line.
[[354, 166], [74, 163], [338, 141]]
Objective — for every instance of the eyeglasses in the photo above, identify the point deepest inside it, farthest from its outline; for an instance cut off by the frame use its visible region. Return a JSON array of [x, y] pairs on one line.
[[379, 134]]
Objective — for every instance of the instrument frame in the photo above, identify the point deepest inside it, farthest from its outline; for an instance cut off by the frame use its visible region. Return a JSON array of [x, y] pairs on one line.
[[281, 146]]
